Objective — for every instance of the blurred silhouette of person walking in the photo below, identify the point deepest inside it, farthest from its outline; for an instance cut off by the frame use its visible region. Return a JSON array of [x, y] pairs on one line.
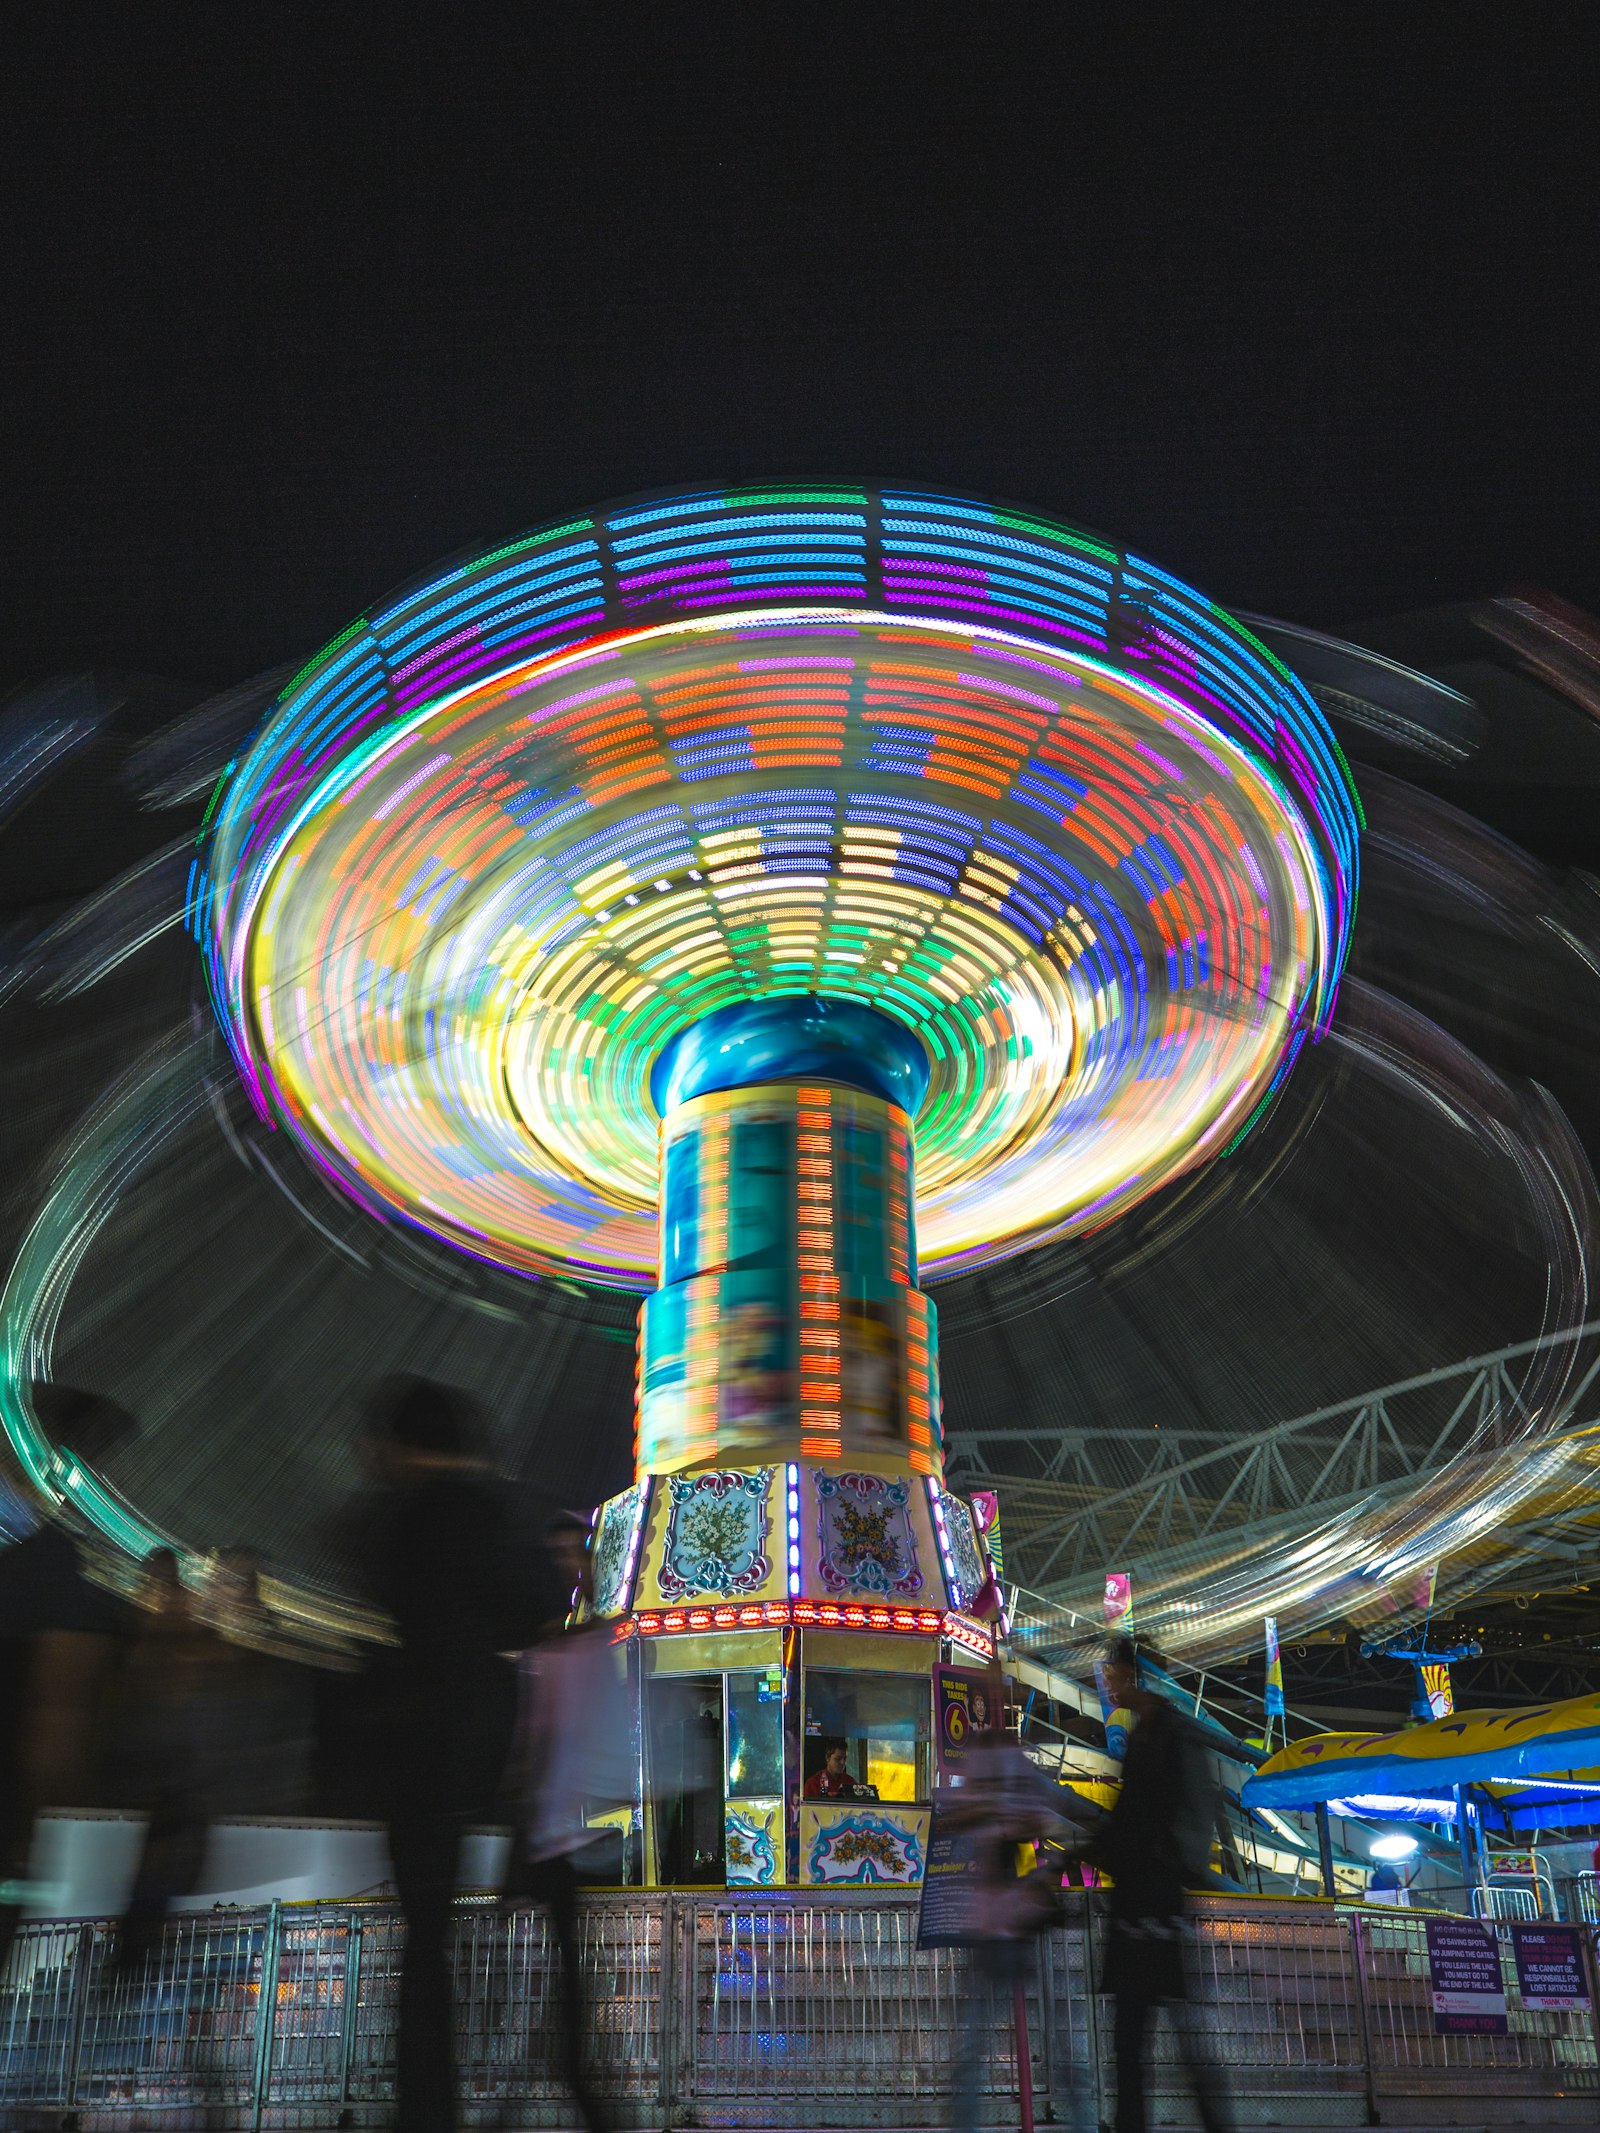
[[435, 1547], [1156, 1844], [195, 1730], [59, 1636], [263, 1712], [1005, 1804], [575, 1756], [164, 1717]]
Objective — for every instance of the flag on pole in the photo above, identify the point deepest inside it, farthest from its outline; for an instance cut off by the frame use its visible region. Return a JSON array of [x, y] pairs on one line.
[[1274, 1696], [986, 1510], [1433, 1678], [1118, 1618]]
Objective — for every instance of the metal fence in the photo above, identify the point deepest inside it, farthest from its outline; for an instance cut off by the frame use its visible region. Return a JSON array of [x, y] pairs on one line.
[[721, 2010], [1542, 2055], [1513, 1899]]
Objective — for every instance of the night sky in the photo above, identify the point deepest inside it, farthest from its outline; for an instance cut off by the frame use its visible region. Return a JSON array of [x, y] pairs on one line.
[[298, 301]]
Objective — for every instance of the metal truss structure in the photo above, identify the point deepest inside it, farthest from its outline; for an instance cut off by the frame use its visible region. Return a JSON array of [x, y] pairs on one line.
[[1079, 1501], [1328, 1676]]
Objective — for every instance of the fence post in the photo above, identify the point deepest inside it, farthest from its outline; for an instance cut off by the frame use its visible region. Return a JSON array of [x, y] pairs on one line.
[[1024, 2051], [671, 2026], [81, 1971], [266, 2013], [1325, 1852], [1591, 1978], [1358, 1957], [352, 2003], [1091, 2014], [1047, 1952], [1471, 1865]]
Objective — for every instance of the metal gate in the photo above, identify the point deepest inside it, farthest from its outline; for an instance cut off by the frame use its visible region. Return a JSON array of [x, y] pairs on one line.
[[722, 2010]]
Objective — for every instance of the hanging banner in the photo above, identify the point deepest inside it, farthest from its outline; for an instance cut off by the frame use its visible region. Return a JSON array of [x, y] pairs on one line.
[[1433, 1688], [986, 1510], [961, 1700], [1273, 1699], [1469, 1993], [1119, 1600], [1550, 1973]]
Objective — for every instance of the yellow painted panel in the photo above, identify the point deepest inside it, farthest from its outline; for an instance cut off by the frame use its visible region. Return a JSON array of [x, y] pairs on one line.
[[714, 1652], [859, 1652]]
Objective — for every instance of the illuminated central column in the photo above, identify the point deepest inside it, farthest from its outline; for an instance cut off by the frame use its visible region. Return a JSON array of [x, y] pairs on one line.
[[788, 1323]]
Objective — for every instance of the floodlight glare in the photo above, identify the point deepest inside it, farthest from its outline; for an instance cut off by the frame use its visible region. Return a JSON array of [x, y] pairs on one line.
[[1394, 1846]]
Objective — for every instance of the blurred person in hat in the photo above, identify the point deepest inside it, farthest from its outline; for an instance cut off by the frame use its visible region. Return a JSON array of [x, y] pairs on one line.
[[433, 1542], [1156, 1845]]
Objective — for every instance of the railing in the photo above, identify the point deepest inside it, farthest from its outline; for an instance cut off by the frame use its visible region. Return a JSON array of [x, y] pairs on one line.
[[791, 2010], [1514, 1899]]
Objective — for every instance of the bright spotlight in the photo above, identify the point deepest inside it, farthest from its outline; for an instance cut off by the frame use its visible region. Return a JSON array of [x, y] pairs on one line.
[[1395, 1846]]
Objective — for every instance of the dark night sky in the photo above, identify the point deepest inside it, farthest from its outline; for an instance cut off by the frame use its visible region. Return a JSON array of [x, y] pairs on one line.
[[1298, 299]]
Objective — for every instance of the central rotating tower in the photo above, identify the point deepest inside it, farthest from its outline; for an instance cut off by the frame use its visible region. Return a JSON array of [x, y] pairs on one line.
[[788, 1312]]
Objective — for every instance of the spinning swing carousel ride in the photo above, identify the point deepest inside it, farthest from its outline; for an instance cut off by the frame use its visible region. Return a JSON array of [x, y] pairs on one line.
[[775, 902], [769, 904]]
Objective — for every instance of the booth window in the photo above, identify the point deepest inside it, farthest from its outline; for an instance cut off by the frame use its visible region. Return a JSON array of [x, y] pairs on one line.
[[755, 1735], [885, 1722], [685, 1716]]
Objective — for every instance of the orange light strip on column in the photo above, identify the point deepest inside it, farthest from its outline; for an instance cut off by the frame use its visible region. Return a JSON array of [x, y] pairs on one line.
[[920, 1422], [638, 1397], [820, 1433]]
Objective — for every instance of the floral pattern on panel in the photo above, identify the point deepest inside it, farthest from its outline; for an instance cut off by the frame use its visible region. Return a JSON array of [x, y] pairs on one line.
[[865, 1847], [751, 1835], [615, 1550], [716, 1540], [966, 1556], [865, 1539]]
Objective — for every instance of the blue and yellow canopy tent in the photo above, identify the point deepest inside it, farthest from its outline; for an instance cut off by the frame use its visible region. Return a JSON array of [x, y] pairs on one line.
[[1535, 1767]]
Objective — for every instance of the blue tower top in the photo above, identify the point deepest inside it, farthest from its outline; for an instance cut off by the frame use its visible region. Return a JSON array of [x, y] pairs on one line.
[[792, 1037]]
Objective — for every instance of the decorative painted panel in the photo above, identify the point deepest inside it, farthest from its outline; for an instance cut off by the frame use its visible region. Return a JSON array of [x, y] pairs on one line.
[[716, 1537], [865, 1540], [967, 1564], [986, 1517], [844, 1845], [753, 1843], [616, 1549]]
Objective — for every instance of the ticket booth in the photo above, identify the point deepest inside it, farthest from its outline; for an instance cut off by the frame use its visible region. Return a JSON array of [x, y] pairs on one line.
[[741, 1699], [736, 1725]]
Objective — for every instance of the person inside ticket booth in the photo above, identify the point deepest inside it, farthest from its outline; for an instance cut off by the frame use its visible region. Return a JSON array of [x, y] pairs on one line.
[[833, 1781]]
